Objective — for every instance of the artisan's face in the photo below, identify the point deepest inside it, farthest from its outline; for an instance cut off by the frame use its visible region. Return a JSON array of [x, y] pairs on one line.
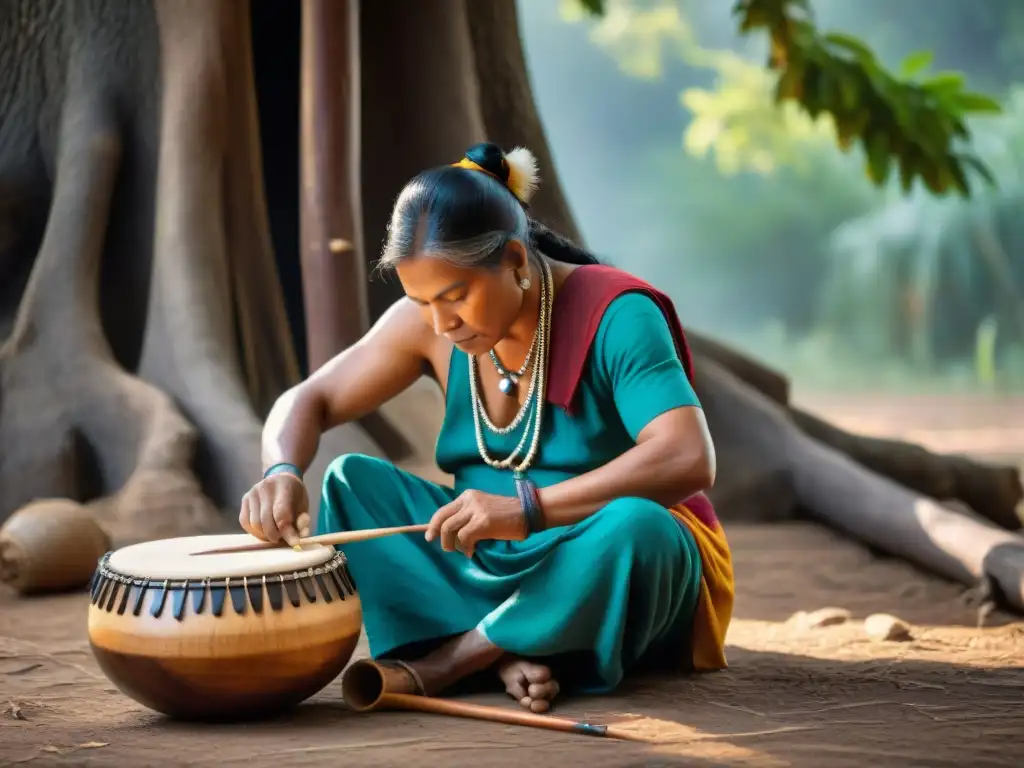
[[471, 307]]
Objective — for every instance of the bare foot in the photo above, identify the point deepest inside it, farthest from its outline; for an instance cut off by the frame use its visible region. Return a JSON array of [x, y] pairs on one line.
[[529, 683]]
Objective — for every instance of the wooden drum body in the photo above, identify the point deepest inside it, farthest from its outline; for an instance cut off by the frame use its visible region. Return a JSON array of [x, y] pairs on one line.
[[226, 636]]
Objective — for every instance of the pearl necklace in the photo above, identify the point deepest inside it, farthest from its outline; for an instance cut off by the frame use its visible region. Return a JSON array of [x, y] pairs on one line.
[[535, 395]]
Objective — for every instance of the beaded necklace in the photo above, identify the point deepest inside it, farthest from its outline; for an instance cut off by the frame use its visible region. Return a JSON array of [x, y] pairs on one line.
[[535, 394]]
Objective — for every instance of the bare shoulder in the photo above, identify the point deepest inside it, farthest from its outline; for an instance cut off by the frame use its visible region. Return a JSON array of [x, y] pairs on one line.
[[401, 330], [402, 326], [396, 351]]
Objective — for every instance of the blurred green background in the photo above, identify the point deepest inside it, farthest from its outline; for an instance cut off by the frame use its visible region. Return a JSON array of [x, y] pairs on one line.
[[679, 168]]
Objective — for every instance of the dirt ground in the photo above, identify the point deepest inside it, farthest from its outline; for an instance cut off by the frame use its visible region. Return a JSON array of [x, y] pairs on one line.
[[793, 696]]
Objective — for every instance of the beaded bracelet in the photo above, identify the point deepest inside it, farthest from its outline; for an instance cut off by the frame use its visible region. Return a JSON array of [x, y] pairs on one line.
[[283, 466], [529, 500]]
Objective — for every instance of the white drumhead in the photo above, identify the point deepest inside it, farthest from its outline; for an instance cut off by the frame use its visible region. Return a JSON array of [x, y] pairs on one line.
[[174, 558]]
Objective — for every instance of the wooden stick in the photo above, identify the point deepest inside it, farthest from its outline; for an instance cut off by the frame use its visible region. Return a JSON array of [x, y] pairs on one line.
[[330, 539], [367, 686], [502, 715]]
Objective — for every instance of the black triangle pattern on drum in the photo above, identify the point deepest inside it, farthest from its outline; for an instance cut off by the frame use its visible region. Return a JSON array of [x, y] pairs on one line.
[[178, 601], [293, 591], [139, 598], [338, 584], [328, 597], [104, 587], [112, 597], [255, 596], [327, 582], [159, 600], [124, 599], [308, 588], [199, 598], [238, 598], [274, 593], [217, 598]]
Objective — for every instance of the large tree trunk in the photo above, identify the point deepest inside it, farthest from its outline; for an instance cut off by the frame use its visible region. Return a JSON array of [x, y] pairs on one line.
[[143, 115], [832, 488], [420, 107]]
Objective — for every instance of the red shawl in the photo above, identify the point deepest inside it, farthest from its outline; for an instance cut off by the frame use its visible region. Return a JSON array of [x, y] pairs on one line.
[[582, 301], [580, 304]]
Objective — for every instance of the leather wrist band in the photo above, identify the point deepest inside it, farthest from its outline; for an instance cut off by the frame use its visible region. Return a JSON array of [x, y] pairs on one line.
[[283, 466], [529, 500]]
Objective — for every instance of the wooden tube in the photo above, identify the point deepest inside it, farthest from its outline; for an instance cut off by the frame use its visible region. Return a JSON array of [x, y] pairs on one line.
[[367, 686]]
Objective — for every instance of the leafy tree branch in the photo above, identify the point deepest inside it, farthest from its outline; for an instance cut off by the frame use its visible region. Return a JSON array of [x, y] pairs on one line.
[[907, 123]]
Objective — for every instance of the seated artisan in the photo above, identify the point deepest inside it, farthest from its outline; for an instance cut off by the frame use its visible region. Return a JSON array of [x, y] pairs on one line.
[[577, 542]]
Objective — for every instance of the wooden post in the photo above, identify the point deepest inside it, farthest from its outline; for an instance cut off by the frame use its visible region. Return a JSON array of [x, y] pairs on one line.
[[330, 211], [333, 272]]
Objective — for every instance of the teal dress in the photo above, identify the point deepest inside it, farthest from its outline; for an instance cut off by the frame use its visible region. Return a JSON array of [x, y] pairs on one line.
[[593, 599]]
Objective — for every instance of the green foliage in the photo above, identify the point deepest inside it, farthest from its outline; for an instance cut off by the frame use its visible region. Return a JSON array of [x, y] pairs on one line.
[[594, 7], [741, 125], [983, 38], [887, 278], [899, 121], [907, 124]]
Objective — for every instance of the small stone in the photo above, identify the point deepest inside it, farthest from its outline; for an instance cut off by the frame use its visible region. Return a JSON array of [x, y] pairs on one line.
[[828, 617], [823, 617], [885, 627]]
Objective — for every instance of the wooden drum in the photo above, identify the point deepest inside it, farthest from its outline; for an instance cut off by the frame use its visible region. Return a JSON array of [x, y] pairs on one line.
[[225, 636]]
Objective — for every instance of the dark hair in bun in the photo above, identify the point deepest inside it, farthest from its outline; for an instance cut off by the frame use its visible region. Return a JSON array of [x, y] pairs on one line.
[[466, 213]]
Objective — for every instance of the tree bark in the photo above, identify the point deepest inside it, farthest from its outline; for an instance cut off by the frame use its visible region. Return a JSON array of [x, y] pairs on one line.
[[420, 107], [769, 382], [263, 336], [63, 393], [191, 347], [994, 492], [507, 106], [832, 488], [156, 257]]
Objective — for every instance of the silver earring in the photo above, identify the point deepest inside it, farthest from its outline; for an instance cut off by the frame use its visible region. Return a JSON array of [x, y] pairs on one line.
[[524, 283]]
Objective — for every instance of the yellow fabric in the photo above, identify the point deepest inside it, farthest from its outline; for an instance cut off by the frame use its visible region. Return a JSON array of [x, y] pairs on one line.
[[717, 592]]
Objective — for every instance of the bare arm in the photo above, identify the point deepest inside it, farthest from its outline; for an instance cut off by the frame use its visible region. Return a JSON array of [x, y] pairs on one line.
[[674, 458], [381, 365]]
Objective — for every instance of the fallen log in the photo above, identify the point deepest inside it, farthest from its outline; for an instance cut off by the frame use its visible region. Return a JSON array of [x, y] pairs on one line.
[[832, 488], [757, 489], [994, 492]]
